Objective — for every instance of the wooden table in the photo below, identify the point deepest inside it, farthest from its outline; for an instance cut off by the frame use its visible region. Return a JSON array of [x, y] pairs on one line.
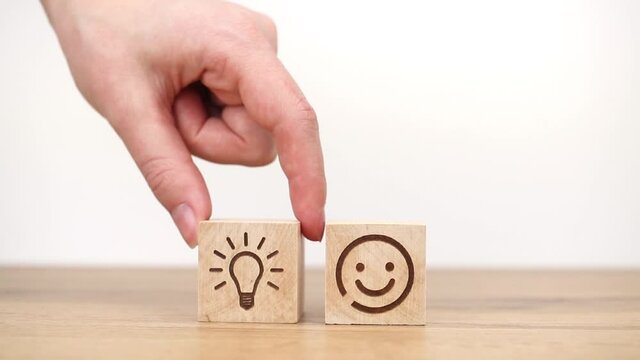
[[150, 314]]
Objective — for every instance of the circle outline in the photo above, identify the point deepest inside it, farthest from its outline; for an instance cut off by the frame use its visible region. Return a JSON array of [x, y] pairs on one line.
[[387, 240]]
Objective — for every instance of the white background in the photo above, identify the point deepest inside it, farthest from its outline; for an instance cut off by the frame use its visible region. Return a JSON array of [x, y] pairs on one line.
[[510, 128]]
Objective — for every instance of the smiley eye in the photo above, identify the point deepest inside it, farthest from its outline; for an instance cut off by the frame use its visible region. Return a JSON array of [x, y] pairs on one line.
[[389, 266], [360, 267]]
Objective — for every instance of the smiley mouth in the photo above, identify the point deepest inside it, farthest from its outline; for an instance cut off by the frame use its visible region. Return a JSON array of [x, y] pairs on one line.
[[379, 292]]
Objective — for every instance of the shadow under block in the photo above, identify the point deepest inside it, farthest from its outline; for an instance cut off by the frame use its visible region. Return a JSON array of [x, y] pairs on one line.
[[375, 274], [250, 271]]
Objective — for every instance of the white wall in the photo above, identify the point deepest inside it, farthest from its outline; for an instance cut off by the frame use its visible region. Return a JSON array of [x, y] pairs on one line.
[[510, 128]]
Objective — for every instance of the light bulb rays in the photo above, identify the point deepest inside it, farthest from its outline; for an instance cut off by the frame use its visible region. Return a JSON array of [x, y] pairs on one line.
[[246, 268], [231, 245]]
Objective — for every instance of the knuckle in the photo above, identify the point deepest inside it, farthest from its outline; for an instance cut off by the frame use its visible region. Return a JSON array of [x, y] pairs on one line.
[[158, 172], [250, 29], [244, 19], [269, 29], [219, 65], [268, 24], [302, 117], [306, 115]]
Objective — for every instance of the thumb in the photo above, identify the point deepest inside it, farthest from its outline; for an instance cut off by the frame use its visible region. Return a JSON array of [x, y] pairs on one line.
[[146, 126]]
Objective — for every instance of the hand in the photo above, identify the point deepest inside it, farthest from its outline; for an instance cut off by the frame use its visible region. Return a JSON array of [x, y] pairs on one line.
[[141, 64]]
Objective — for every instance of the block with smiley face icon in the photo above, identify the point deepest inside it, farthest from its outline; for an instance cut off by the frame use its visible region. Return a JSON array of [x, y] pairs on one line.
[[375, 274]]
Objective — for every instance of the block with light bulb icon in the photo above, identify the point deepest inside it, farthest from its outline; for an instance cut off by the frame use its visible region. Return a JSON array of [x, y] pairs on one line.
[[250, 271]]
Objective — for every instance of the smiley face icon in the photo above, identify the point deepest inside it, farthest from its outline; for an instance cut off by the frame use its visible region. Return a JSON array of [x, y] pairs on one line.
[[376, 271]]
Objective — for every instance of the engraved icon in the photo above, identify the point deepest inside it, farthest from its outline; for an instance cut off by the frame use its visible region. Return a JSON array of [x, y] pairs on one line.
[[246, 269], [391, 291], [249, 278]]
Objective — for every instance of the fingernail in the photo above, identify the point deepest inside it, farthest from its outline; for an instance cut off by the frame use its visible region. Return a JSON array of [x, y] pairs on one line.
[[185, 220], [324, 227], [314, 232], [324, 224]]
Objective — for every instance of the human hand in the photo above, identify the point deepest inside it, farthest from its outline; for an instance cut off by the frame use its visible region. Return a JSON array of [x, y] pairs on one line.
[[136, 63]]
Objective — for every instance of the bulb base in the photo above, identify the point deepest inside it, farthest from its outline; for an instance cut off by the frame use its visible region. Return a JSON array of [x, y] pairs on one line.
[[246, 300]]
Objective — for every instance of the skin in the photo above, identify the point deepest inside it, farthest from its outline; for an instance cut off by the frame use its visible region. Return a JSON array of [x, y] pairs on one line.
[[145, 66]]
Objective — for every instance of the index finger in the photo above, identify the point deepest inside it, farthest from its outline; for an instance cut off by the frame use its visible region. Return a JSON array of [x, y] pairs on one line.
[[275, 101]]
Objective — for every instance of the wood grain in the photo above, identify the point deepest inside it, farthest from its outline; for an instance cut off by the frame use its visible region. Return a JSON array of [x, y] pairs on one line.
[[375, 274], [250, 271], [151, 314]]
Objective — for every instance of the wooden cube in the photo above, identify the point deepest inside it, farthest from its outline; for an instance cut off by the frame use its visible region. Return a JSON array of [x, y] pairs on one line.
[[375, 274], [250, 271]]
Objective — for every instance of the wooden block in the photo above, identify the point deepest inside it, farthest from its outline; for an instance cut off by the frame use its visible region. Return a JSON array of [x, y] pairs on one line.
[[375, 274], [250, 271]]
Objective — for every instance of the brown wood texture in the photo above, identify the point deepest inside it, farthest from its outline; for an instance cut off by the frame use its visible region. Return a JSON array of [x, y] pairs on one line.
[[151, 314], [250, 271], [375, 274]]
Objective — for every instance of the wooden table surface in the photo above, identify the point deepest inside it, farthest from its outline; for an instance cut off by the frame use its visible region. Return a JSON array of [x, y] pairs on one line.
[[151, 314]]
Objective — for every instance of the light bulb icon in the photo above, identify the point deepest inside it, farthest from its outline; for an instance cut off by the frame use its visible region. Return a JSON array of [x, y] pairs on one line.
[[249, 276], [246, 269]]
